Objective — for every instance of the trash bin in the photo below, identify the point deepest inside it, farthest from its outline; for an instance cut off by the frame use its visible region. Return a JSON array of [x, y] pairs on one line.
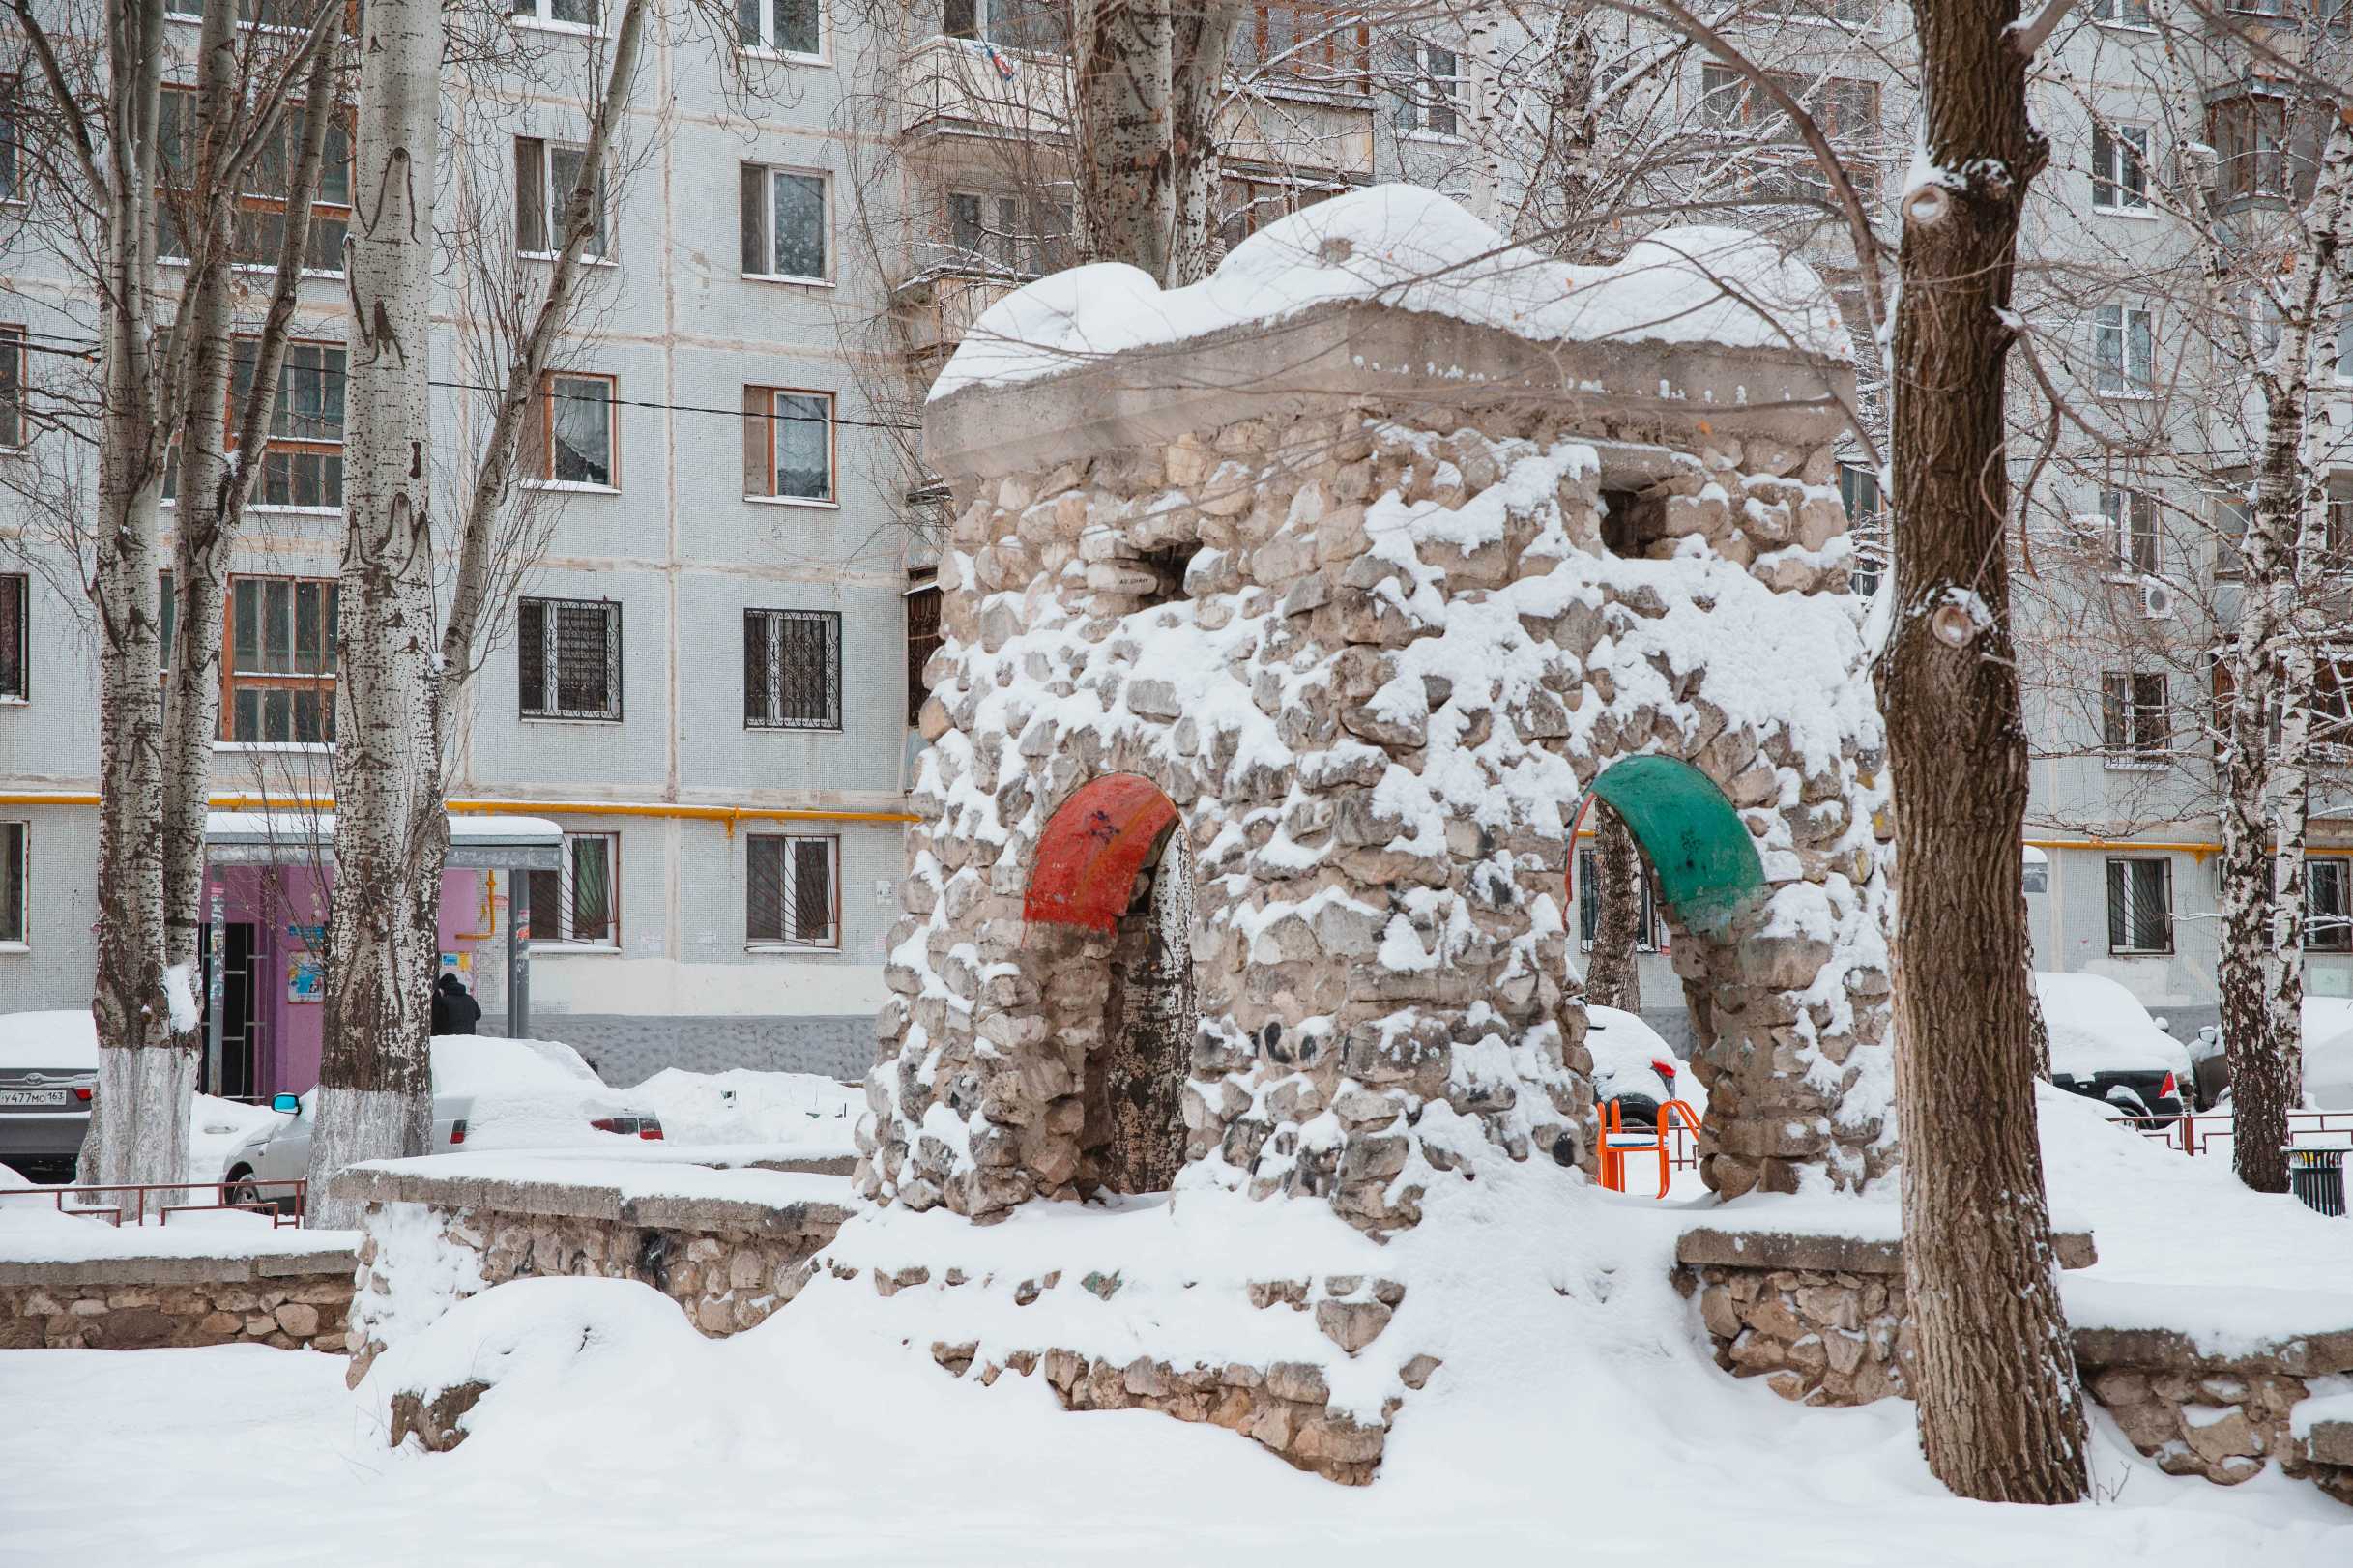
[[2317, 1176]]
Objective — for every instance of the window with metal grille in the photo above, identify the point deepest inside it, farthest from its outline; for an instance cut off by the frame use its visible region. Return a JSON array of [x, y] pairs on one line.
[[791, 670], [15, 649], [2328, 914], [11, 387], [923, 639], [1650, 935], [279, 677], [580, 904], [16, 866], [792, 892], [567, 653], [788, 444], [2136, 717], [2139, 906]]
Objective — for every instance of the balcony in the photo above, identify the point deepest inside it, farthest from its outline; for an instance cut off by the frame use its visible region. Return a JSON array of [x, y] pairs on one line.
[[938, 305], [961, 87]]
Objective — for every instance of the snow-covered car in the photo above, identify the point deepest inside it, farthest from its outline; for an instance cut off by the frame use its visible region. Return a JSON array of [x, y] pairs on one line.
[[1633, 1066], [49, 1069], [488, 1093], [2105, 1046], [2328, 1056]]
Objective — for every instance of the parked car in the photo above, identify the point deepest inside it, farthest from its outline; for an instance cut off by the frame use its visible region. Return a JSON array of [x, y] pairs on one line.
[[2105, 1046], [488, 1093], [1635, 1067], [2328, 1057], [48, 1071]]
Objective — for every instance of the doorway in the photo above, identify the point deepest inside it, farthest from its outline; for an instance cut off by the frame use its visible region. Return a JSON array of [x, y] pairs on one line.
[[241, 987]]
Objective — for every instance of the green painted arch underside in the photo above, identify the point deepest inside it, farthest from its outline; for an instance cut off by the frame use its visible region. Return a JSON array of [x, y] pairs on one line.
[[1701, 851]]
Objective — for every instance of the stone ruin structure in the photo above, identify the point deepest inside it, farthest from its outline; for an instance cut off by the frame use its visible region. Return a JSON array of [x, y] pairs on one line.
[[1281, 650]]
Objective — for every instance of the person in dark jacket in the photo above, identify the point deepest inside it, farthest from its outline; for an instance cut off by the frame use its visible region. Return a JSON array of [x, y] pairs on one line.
[[454, 1011]]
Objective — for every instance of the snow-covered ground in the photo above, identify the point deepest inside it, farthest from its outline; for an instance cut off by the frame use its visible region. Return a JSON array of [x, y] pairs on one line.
[[1576, 1417]]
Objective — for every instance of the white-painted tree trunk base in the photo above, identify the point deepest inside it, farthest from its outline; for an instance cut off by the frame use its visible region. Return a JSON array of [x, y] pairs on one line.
[[142, 1136], [352, 1125]]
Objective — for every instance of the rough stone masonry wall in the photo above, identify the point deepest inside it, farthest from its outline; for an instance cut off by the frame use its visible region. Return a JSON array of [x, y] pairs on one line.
[[1373, 654], [1823, 1334], [109, 1306]]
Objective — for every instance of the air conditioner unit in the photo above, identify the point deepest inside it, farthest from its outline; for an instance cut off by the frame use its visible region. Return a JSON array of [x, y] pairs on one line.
[[2156, 599]]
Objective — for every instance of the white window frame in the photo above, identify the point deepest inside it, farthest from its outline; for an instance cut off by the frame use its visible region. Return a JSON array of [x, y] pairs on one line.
[[773, 424], [2112, 884], [2141, 736], [563, 937], [546, 398], [2120, 168], [2114, 323], [600, 249], [14, 347], [2129, 13], [1430, 88], [2328, 868], [832, 942], [540, 14], [22, 939], [768, 173], [19, 584], [761, 13]]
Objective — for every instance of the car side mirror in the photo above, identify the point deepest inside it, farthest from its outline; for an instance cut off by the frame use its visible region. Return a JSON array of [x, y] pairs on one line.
[[291, 1104]]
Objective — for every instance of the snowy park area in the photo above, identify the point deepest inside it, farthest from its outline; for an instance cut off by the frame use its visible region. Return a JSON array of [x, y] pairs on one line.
[[1576, 1415]]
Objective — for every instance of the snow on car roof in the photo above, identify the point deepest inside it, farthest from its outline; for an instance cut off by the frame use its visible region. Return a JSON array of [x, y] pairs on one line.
[[2098, 1025], [1414, 250], [67, 1037], [492, 1064]]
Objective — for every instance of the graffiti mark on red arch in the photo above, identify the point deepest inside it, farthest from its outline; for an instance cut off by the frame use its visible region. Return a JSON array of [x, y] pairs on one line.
[[1092, 850]]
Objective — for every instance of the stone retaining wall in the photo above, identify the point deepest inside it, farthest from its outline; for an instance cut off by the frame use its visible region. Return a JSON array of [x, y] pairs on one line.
[[291, 1300], [1824, 1321]]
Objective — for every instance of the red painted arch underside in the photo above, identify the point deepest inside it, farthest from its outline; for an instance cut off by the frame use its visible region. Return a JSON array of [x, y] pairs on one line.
[[1087, 860]]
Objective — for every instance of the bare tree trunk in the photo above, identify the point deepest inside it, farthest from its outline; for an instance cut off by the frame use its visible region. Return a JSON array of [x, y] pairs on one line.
[[375, 1088], [2002, 1416], [1148, 85], [1614, 977]]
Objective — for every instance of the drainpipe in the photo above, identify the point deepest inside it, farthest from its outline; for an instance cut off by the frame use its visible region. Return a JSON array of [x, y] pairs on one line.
[[518, 957]]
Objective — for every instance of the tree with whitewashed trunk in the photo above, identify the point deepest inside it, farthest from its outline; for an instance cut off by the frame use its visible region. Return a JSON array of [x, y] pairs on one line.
[[375, 1085], [160, 394]]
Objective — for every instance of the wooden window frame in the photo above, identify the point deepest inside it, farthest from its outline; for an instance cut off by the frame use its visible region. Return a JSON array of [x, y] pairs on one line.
[[21, 939], [16, 368], [261, 204], [1336, 62], [551, 683], [320, 683], [2136, 728], [2337, 937], [561, 935], [541, 433], [760, 432], [831, 941], [16, 638]]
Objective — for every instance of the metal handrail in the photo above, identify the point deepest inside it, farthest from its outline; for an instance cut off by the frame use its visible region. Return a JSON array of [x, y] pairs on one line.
[[297, 1189]]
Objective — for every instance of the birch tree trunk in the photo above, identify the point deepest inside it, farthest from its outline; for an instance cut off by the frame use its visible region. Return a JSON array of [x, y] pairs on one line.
[[376, 1087], [138, 1125], [2265, 797], [2002, 1416], [1146, 85], [1612, 975]]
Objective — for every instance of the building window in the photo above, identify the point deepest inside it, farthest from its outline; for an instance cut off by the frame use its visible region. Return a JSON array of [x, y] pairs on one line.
[[1777, 166], [303, 466], [1039, 25], [1437, 96], [281, 661], [2120, 167], [16, 648], [788, 444], [1649, 934], [15, 872], [791, 670], [923, 640], [544, 174], [576, 435], [794, 27], [791, 892], [259, 226], [1249, 203], [580, 904], [2251, 138], [2123, 341], [2328, 912], [11, 176], [2128, 533], [11, 387], [1859, 491], [2139, 906], [2136, 719], [785, 227], [1324, 47], [567, 655], [989, 231], [581, 13], [2121, 13]]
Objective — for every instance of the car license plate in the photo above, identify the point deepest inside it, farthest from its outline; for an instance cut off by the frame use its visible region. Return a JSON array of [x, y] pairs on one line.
[[36, 1097]]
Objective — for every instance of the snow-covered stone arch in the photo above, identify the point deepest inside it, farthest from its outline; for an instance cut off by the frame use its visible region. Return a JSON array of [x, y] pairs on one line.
[[1365, 559]]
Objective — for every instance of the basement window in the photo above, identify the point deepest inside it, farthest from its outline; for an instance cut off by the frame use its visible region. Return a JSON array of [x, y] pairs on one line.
[[1619, 533]]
